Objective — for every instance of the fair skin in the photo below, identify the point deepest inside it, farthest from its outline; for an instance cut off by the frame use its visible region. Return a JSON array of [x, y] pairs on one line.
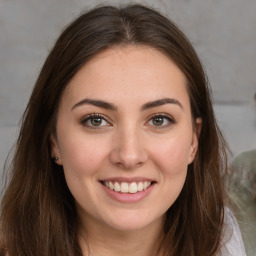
[[124, 123]]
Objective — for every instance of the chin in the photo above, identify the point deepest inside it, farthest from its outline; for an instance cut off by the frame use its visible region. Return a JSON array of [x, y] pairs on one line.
[[133, 221]]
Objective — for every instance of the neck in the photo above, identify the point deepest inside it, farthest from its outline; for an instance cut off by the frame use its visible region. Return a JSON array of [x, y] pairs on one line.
[[103, 240]]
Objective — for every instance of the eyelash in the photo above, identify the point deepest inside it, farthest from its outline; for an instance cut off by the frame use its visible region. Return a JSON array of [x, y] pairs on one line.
[[89, 117], [169, 119]]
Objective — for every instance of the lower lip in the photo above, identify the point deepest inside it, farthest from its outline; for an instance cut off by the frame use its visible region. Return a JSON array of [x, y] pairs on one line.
[[128, 197]]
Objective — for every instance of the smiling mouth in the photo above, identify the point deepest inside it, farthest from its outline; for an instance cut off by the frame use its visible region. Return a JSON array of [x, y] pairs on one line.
[[128, 188]]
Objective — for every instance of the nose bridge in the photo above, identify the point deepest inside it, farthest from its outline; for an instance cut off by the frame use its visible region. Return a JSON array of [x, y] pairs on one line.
[[129, 150]]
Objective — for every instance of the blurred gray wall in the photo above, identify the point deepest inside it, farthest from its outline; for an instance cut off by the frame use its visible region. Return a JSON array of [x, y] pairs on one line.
[[222, 31]]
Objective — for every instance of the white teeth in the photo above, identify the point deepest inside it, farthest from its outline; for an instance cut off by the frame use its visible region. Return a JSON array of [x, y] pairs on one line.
[[140, 186], [133, 188], [111, 186], [125, 187], [117, 187]]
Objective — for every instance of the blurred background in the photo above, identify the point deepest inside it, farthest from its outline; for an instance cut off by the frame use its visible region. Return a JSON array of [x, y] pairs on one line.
[[223, 33]]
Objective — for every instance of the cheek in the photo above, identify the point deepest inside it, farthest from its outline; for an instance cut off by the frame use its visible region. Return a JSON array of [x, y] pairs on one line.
[[172, 155], [82, 161], [171, 159], [81, 155]]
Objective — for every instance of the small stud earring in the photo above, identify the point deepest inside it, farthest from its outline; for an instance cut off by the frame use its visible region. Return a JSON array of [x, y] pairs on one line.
[[55, 159]]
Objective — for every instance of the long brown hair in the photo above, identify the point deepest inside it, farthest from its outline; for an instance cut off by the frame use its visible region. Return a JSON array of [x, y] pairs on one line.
[[38, 214]]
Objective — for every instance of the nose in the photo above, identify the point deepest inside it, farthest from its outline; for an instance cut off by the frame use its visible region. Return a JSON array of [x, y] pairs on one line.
[[128, 149]]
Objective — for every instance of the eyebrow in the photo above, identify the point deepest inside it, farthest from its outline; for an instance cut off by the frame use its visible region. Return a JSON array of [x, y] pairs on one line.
[[109, 106], [157, 103], [97, 103]]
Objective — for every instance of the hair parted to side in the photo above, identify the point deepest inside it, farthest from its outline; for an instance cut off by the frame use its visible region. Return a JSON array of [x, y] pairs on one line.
[[38, 214]]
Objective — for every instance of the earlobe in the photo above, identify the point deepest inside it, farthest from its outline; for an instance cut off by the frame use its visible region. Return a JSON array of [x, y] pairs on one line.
[[195, 139], [56, 157]]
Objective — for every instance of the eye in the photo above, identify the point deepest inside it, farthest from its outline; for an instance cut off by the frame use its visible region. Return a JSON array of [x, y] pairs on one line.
[[161, 120], [94, 121]]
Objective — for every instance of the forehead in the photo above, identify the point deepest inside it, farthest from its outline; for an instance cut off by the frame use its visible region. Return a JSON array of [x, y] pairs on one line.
[[132, 72]]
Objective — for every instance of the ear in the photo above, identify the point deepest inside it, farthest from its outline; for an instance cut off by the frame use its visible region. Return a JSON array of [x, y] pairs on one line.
[[195, 139], [55, 152]]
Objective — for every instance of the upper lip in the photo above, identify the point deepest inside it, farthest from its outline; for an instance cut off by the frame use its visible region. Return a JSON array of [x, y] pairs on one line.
[[128, 179]]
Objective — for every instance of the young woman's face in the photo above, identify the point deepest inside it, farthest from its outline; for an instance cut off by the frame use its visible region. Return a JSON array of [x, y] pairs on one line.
[[125, 137]]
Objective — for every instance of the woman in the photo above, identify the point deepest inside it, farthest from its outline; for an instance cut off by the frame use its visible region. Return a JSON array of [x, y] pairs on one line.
[[119, 152]]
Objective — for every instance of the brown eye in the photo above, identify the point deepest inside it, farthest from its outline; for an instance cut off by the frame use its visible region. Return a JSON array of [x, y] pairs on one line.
[[161, 120], [158, 121], [94, 121]]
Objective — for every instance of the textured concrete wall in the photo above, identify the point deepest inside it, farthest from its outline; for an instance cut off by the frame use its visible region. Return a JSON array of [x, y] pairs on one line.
[[222, 31]]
